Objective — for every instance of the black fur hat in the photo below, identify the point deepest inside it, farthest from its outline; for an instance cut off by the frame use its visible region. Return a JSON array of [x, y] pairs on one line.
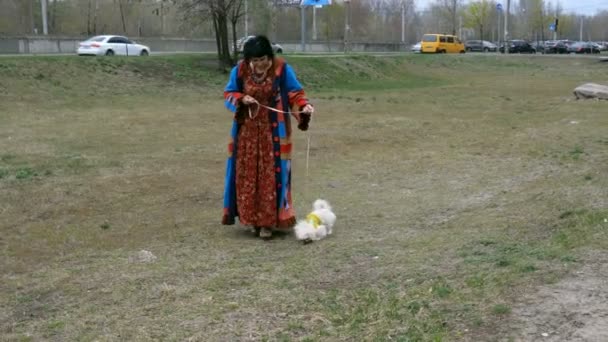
[[258, 46]]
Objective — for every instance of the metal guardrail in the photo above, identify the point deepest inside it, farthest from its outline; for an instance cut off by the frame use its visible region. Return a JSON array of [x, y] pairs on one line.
[[67, 45]]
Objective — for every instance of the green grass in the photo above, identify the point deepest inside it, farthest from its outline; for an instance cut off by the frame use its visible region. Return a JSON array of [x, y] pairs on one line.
[[458, 181]]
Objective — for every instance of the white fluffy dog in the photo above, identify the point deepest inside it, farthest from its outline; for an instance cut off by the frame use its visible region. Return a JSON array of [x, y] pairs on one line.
[[318, 224]]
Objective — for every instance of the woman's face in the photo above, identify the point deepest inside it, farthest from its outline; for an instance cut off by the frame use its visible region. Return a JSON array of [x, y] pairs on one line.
[[260, 64]]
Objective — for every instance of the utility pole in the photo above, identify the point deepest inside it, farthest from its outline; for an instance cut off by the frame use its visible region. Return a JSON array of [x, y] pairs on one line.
[[460, 27], [314, 23], [498, 31], [580, 37], [346, 25], [402, 21], [555, 27], [45, 22], [507, 27]]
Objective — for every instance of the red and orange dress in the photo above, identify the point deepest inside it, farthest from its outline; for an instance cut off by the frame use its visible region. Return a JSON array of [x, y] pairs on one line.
[[257, 186]]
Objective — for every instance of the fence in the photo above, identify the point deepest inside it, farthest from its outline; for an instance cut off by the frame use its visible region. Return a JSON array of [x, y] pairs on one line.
[[62, 45]]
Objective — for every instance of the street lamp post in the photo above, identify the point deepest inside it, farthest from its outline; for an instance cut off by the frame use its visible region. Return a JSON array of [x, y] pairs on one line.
[[506, 37], [346, 25], [314, 23], [402, 22], [45, 25]]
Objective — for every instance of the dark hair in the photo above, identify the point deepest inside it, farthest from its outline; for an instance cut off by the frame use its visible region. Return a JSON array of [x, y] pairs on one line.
[[257, 46]]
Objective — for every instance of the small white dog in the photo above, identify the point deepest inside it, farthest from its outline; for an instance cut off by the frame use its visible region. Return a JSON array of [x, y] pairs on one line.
[[318, 224]]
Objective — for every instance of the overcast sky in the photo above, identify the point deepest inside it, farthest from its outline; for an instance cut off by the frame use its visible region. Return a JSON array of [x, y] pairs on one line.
[[587, 7]]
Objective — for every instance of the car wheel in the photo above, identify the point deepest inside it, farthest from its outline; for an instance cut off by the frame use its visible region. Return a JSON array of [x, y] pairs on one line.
[[486, 50], [279, 51], [109, 53], [144, 53]]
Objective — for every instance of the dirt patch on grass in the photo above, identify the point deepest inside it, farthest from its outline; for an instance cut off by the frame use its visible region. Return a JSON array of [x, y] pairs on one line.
[[574, 309]]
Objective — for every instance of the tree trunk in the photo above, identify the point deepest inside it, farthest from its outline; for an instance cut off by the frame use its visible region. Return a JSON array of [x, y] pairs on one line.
[[53, 15], [162, 18], [122, 17], [30, 16], [216, 28], [226, 58], [89, 18], [236, 53], [454, 5], [542, 28], [95, 16]]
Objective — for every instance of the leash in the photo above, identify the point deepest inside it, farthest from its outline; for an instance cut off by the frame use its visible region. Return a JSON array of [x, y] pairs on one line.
[[258, 105]]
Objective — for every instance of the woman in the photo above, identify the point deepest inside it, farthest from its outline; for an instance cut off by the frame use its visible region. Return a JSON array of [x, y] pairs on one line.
[[258, 171]]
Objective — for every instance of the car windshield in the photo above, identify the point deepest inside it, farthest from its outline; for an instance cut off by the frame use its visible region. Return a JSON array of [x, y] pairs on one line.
[[429, 38], [96, 39]]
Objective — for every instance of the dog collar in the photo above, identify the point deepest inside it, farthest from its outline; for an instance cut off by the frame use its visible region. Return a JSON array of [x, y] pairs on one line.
[[314, 220]]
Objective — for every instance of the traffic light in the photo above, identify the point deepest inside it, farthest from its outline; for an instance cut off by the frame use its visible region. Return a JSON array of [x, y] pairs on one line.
[[556, 21]]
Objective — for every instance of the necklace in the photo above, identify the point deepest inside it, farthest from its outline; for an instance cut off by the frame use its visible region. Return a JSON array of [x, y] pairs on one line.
[[258, 78]]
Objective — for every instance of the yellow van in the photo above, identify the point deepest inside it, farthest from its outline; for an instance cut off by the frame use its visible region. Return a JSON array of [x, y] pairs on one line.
[[441, 43]]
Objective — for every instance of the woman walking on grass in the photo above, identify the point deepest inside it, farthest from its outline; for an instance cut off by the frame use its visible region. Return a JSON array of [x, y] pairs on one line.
[[258, 171]]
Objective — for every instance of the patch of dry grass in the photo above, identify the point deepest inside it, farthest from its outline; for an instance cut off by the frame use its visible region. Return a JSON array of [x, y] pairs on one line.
[[459, 182]]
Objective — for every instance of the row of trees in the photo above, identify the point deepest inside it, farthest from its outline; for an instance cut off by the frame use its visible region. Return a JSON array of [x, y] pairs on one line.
[[372, 20], [224, 20], [530, 19]]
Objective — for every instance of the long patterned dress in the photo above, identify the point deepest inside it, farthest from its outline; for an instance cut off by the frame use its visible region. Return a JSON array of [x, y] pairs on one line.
[[257, 186], [255, 171]]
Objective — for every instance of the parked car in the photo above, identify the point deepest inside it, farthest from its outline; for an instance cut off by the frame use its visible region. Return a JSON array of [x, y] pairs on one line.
[[538, 45], [276, 48], [518, 46], [416, 48], [480, 45], [555, 46], [441, 43], [583, 47], [110, 46], [598, 46]]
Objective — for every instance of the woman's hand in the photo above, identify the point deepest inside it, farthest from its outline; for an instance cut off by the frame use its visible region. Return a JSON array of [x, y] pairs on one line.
[[247, 100], [305, 115], [308, 109]]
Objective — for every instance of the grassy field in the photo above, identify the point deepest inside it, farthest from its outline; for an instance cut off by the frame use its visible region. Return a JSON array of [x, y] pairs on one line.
[[460, 184]]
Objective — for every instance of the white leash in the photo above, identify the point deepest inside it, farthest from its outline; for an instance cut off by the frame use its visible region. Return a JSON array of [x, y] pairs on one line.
[[252, 116]]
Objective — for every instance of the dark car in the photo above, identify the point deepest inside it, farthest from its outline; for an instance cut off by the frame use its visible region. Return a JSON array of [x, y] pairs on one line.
[[555, 46], [583, 47], [518, 46], [538, 45], [480, 45]]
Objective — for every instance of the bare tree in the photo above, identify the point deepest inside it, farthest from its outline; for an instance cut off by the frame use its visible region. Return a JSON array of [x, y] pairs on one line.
[[235, 13], [220, 13], [449, 11], [477, 16], [122, 16]]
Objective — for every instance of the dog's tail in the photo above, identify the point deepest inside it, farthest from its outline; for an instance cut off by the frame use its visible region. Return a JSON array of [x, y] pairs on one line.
[[321, 204]]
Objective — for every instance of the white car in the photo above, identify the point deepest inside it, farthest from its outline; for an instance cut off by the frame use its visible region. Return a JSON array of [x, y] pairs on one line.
[[110, 46], [415, 48]]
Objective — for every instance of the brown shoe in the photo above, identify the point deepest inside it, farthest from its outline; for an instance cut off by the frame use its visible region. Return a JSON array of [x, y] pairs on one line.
[[266, 233]]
